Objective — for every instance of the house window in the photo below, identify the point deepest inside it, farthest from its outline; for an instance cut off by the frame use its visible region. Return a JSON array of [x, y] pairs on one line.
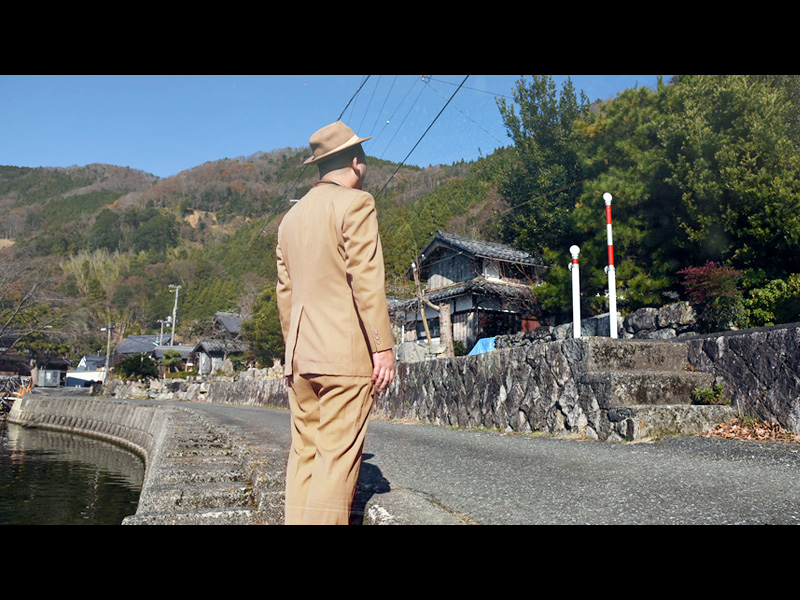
[[433, 325]]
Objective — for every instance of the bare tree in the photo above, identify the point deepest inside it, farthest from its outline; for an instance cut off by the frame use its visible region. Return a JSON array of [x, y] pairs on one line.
[[29, 303]]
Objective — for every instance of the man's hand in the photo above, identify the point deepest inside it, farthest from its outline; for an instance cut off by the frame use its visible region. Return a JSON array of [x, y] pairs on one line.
[[383, 373]]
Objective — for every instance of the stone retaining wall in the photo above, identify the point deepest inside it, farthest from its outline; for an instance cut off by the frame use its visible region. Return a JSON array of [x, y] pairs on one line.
[[535, 386], [759, 370], [673, 321], [546, 388]]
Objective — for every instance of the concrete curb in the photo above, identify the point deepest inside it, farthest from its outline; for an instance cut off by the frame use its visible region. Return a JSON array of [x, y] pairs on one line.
[[397, 506]]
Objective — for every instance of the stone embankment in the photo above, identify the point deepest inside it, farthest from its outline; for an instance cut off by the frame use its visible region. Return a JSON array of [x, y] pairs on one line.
[[594, 387], [196, 470], [609, 389]]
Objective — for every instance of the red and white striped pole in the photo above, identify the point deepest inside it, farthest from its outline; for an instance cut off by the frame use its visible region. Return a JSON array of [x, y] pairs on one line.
[[612, 283], [576, 292]]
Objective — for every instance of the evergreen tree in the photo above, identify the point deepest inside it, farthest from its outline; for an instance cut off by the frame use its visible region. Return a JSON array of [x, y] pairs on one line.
[[541, 177]]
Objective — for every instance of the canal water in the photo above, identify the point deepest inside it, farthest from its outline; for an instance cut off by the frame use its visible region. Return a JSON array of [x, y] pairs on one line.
[[55, 478]]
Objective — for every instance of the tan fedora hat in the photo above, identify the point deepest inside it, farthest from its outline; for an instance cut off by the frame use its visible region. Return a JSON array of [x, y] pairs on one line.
[[330, 140]]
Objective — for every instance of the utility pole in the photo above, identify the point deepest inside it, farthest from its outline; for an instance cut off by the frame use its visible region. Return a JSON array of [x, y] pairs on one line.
[[108, 350], [174, 313]]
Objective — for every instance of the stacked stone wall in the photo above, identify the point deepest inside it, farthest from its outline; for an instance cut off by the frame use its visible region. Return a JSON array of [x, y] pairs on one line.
[[527, 389], [758, 369], [534, 386]]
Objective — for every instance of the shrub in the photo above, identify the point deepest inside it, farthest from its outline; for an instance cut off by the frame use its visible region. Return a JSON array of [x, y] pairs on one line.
[[714, 292], [137, 367], [777, 301], [713, 395]]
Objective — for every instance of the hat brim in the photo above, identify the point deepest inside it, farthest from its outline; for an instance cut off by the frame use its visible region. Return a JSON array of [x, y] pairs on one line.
[[353, 141]]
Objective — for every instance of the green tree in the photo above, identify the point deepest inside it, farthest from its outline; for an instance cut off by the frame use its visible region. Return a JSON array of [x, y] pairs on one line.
[[541, 177], [775, 301], [732, 151], [623, 155], [172, 360], [137, 367], [106, 231], [262, 331]]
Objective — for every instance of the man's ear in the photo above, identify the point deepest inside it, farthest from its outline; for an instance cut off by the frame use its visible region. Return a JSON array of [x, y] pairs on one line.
[[355, 166]]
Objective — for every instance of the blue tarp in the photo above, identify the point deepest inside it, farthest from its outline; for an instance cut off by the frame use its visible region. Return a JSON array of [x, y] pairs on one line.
[[483, 345]]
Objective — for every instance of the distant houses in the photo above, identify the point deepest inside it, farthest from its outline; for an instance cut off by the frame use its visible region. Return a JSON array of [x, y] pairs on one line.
[[219, 342]]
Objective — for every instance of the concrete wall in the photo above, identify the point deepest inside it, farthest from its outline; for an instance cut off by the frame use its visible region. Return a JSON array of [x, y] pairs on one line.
[[141, 429]]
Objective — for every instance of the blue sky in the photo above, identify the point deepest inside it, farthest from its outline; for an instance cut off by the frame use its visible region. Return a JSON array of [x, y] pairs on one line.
[[164, 124]]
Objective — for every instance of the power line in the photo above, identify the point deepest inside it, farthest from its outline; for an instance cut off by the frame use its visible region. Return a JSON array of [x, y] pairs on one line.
[[422, 136]]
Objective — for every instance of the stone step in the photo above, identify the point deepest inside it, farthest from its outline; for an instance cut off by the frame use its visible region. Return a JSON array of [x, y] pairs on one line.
[[633, 423], [613, 388], [649, 355]]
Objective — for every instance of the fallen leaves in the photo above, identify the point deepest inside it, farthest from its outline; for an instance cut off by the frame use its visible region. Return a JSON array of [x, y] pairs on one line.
[[754, 431]]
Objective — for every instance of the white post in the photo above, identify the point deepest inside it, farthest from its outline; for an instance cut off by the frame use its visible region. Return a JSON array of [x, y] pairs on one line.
[[174, 313], [576, 292], [612, 278], [108, 354]]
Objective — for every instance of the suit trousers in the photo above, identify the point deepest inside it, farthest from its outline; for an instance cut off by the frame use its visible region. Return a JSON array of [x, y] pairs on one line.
[[329, 423]]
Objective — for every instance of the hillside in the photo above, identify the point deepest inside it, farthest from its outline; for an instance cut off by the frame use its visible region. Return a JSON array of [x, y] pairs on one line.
[[116, 239]]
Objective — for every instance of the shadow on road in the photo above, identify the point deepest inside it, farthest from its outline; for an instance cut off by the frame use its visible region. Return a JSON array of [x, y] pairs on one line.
[[370, 482]]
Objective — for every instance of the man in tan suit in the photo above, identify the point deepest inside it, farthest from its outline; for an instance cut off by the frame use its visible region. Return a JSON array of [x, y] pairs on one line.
[[335, 325]]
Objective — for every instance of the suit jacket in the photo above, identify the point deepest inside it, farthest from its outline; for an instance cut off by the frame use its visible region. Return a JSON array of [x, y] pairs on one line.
[[330, 288]]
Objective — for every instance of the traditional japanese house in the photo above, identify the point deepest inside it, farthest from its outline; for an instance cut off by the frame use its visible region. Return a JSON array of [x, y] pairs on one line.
[[486, 284]]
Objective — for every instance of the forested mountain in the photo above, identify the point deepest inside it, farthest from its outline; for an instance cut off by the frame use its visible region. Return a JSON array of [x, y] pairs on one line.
[[704, 173], [113, 240]]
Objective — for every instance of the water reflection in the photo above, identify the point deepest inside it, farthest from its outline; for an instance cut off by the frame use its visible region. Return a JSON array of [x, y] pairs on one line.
[[54, 478]]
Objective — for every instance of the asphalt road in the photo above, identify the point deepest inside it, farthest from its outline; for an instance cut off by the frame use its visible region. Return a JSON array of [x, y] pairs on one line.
[[423, 474]]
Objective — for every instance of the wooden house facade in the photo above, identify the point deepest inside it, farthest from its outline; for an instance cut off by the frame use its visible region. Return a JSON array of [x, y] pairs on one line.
[[486, 284]]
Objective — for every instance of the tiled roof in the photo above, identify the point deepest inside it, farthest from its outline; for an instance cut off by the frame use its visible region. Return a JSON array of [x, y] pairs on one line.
[[474, 286], [137, 344], [230, 321], [184, 350], [484, 249], [216, 345]]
